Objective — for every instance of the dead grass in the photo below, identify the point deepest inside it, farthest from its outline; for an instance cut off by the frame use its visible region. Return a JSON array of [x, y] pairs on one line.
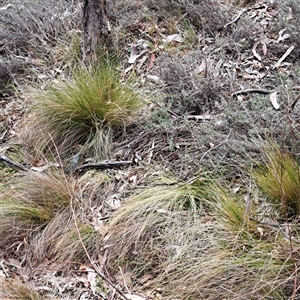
[[36, 218], [138, 228], [17, 290], [198, 251]]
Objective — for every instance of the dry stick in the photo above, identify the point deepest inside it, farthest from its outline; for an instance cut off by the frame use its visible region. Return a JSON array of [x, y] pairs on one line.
[[168, 110], [77, 229], [236, 18], [243, 11], [249, 91], [10, 162], [104, 165]]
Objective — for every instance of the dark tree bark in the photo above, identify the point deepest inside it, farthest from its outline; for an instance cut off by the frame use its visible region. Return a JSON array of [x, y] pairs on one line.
[[96, 27]]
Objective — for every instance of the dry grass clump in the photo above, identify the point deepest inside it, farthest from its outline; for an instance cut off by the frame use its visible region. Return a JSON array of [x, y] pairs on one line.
[[279, 179], [38, 220], [138, 228], [83, 112], [35, 200], [60, 242], [198, 241], [211, 262], [17, 290]]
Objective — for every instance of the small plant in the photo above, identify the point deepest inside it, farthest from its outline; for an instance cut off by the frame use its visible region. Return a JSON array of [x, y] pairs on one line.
[[279, 179], [86, 110]]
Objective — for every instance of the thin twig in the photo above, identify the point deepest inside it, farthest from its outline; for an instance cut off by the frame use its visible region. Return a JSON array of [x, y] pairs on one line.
[[236, 18], [168, 110], [240, 14], [96, 268]]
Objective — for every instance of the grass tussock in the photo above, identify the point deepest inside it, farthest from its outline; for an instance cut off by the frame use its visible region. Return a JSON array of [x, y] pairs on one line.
[[211, 262], [17, 290], [35, 199], [86, 111], [60, 241], [198, 241], [38, 209], [139, 226], [234, 212], [279, 179]]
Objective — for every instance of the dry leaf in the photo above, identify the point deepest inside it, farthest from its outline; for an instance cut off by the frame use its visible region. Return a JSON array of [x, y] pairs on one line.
[[154, 78], [133, 180], [273, 98], [173, 38], [133, 54], [145, 278], [264, 45], [202, 68], [151, 63], [282, 36], [261, 231], [45, 167], [91, 277], [102, 259]]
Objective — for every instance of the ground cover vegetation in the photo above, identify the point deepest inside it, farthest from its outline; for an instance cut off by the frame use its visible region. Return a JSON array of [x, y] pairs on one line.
[[168, 169]]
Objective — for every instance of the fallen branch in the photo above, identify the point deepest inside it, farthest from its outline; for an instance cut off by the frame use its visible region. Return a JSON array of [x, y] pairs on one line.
[[283, 57], [251, 91], [104, 165]]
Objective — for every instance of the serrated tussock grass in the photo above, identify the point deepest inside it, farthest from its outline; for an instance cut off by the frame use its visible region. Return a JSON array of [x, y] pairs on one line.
[[15, 289], [234, 213], [279, 180], [141, 222], [197, 240], [60, 241], [86, 110], [38, 209], [35, 199]]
